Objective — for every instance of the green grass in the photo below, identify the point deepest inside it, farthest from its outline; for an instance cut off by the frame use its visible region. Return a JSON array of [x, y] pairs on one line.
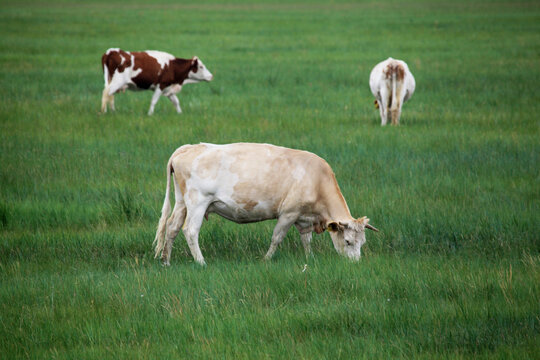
[[454, 272]]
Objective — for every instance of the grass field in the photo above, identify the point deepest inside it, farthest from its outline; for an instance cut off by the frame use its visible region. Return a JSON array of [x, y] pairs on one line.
[[455, 190]]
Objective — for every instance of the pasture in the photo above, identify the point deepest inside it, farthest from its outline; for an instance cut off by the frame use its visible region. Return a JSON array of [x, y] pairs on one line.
[[455, 190]]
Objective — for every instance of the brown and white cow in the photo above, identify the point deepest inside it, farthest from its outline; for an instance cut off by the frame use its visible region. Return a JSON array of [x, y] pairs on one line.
[[149, 70], [246, 182], [392, 84]]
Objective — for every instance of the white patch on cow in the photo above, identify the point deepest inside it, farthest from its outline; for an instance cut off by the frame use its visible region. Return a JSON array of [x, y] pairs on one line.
[[122, 80], [222, 185], [111, 50], [263, 207], [202, 74], [190, 81], [298, 173], [162, 58], [172, 90]]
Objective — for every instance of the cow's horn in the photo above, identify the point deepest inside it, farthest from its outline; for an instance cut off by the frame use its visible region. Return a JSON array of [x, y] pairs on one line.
[[372, 228]]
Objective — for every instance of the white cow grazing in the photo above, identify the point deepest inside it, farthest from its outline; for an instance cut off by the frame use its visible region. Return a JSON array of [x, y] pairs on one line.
[[392, 84], [149, 70], [247, 182]]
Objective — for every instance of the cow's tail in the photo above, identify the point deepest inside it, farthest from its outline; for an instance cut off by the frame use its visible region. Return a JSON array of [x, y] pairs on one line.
[[159, 241], [105, 69], [397, 85]]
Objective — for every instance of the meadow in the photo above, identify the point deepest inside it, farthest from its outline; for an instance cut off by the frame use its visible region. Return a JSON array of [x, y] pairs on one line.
[[455, 190]]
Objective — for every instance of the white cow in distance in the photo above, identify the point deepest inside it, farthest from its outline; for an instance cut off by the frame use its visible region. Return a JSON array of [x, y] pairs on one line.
[[392, 84], [247, 182]]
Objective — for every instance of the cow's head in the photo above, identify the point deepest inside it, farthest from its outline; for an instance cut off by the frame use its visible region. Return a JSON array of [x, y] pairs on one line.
[[348, 237], [199, 72]]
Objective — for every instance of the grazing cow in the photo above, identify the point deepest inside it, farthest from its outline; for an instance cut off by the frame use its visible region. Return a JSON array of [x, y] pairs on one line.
[[247, 182], [154, 70], [392, 84]]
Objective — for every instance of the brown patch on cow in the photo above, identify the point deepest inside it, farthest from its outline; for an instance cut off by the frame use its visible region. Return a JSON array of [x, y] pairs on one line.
[[400, 72], [176, 72], [319, 227], [183, 156], [250, 205], [151, 70], [181, 183], [245, 191], [388, 71], [113, 61], [194, 65], [394, 68], [256, 182], [127, 58], [261, 184], [208, 166]]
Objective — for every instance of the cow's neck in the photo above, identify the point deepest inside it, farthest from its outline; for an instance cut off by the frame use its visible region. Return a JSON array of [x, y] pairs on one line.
[[334, 205], [181, 68]]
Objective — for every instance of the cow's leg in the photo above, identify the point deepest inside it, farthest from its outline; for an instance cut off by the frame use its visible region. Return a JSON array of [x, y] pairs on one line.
[[398, 97], [155, 98], [104, 99], [384, 112], [111, 103], [176, 103], [282, 226], [306, 241], [174, 224], [107, 98], [191, 229], [380, 107], [305, 236], [396, 115], [395, 111], [116, 84], [383, 106]]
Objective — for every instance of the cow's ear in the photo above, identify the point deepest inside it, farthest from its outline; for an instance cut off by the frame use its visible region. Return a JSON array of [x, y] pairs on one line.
[[334, 226], [363, 220], [195, 63]]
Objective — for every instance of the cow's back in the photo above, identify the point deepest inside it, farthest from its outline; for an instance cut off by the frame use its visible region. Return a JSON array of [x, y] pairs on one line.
[[250, 174]]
